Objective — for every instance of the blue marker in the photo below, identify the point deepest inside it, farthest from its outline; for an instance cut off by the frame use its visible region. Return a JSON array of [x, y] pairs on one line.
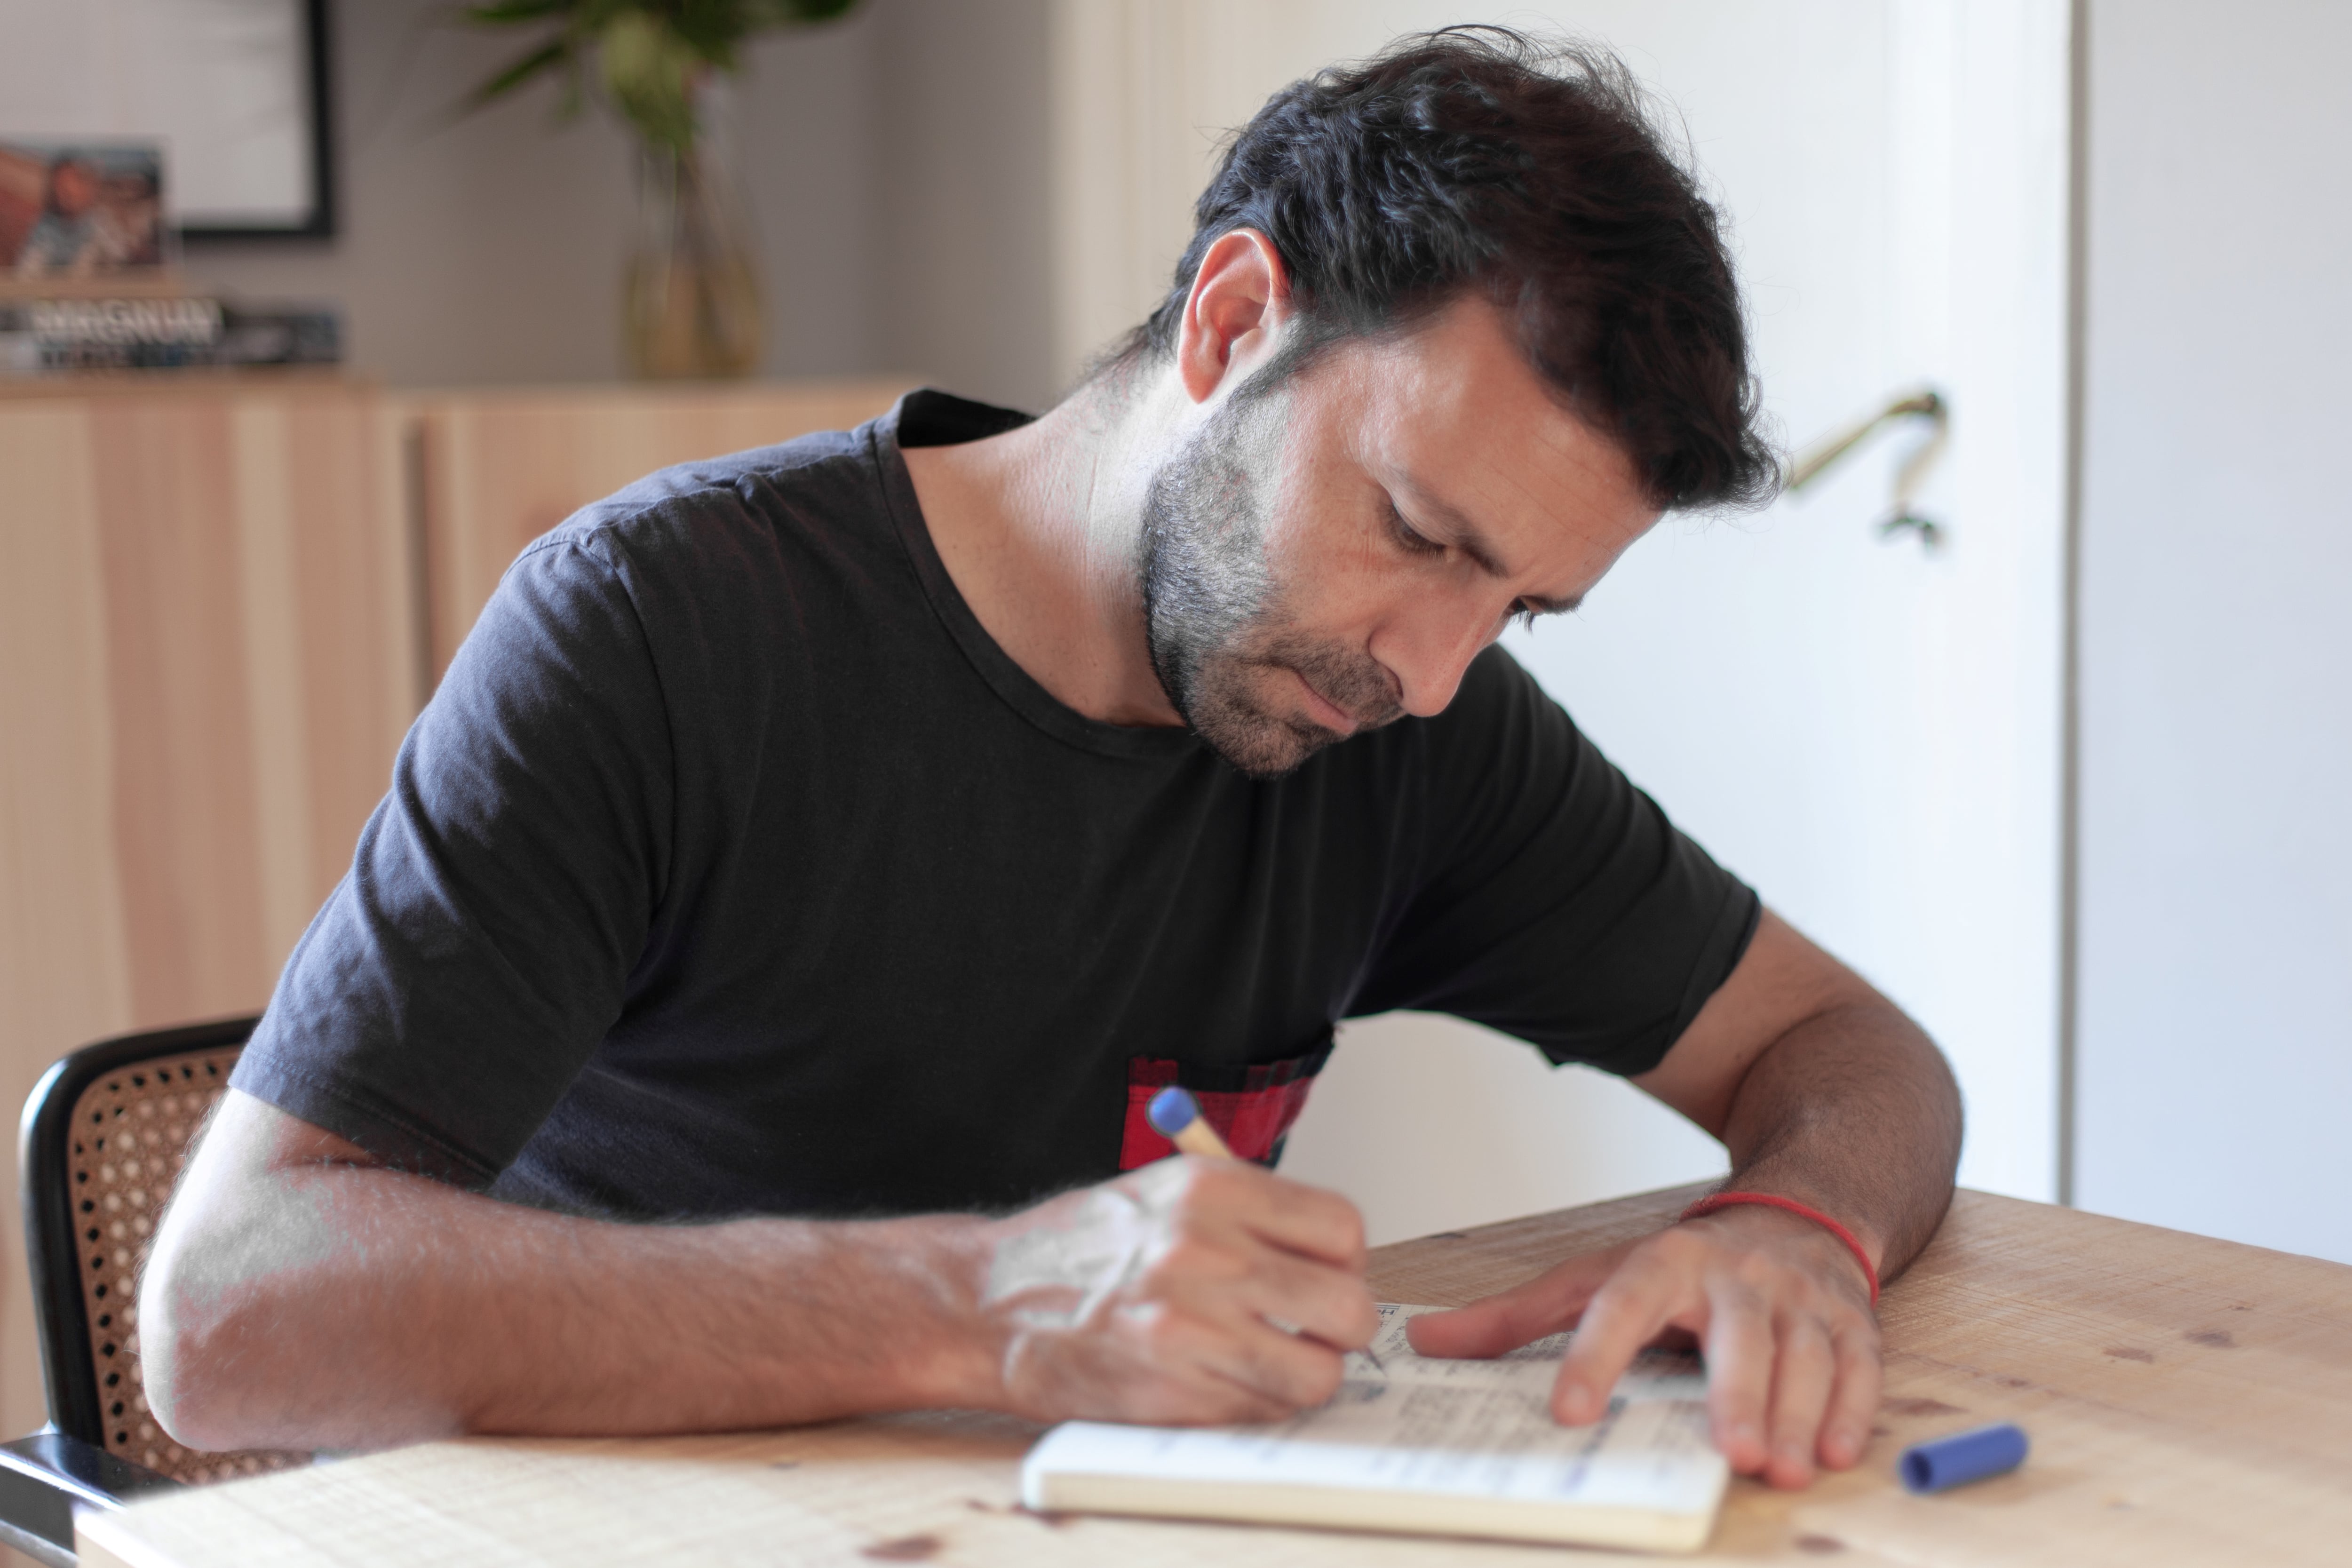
[[1943, 1463]]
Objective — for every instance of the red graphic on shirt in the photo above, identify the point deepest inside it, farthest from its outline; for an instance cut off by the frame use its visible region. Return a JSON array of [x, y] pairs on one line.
[[1250, 1119]]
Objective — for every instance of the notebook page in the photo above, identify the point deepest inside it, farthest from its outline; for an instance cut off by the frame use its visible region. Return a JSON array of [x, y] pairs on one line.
[[1463, 1428]]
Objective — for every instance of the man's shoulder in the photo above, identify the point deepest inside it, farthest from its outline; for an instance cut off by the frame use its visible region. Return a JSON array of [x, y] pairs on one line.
[[829, 479]]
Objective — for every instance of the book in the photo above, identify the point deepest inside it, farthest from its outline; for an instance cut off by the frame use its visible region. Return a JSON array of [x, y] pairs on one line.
[[1420, 1446], [62, 335]]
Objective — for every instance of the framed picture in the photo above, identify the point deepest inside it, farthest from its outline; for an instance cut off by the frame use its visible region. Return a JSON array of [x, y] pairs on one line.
[[81, 210], [234, 92]]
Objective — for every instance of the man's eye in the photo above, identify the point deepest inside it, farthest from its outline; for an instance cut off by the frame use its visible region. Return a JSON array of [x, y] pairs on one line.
[[1419, 544], [1525, 614]]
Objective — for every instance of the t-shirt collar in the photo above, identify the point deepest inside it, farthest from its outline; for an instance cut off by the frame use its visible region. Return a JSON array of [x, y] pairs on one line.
[[927, 417]]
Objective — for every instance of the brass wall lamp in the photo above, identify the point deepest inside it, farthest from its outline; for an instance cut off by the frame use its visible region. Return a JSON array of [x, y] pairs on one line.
[[1823, 455]]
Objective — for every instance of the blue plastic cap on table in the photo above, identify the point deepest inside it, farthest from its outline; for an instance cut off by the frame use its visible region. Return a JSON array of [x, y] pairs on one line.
[[1964, 1456], [1172, 1111]]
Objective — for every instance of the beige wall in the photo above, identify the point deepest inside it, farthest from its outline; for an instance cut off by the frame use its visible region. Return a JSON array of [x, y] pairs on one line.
[[895, 169]]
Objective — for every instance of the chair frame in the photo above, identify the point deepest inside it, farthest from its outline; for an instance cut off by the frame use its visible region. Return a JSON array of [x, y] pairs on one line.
[[45, 1476]]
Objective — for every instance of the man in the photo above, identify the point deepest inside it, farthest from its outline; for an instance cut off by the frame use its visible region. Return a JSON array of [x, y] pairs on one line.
[[835, 845]]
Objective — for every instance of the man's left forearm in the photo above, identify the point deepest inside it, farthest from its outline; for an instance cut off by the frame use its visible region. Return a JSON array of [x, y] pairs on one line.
[[1853, 1111], [1824, 1093]]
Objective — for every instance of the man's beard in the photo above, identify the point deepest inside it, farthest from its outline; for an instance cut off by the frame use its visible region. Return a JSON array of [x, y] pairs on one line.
[[1213, 613]]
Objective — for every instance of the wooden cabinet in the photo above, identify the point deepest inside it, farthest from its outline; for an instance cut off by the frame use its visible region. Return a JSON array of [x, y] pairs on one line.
[[221, 603]]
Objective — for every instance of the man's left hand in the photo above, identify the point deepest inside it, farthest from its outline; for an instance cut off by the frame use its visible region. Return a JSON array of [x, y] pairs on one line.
[[1776, 1305]]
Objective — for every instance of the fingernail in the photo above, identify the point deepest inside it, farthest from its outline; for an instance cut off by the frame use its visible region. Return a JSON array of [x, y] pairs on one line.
[[1576, 1401]]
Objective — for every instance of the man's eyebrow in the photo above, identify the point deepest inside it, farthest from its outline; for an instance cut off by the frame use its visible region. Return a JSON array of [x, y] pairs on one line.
[[1471, 543]]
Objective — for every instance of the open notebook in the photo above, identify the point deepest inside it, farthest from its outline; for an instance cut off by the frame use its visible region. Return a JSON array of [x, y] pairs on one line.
[[1442, 1447]]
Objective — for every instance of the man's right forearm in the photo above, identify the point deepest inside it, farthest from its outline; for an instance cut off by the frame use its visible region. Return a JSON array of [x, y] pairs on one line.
[[301, 1296], [336, 1305]]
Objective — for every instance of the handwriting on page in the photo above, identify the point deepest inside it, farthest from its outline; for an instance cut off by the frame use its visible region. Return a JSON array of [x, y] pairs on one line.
[[1469, 1427]]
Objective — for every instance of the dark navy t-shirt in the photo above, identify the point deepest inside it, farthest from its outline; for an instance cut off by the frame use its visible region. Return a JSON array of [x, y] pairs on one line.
[[733, 868]]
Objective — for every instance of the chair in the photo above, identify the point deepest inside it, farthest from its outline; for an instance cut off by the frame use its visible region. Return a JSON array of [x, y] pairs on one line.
[[104, 1134]]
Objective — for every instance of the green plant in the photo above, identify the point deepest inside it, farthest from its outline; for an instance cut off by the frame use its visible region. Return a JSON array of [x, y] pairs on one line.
[[646, 53]]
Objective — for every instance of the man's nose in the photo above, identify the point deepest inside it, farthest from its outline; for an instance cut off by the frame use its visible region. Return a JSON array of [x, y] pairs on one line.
[[1429, 647]]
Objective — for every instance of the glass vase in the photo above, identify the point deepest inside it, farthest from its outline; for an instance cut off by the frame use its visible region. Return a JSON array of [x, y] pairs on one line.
[[690, 297]]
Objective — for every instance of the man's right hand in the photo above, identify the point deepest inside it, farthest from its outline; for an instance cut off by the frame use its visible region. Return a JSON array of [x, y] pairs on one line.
[[1170, 1295]]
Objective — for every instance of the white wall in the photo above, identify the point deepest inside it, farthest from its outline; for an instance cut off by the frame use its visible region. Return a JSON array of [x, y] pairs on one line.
[[1868, 734], [2215, 1022]]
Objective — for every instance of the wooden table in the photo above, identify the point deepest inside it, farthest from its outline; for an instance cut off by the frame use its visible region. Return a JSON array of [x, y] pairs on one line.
[[2189, 1402]]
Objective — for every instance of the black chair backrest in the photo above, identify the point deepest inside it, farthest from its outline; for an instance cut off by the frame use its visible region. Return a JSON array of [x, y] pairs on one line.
[[104, 1135]]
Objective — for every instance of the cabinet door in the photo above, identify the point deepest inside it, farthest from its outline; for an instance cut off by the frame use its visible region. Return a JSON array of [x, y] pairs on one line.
[[500, 469], [208, 655]]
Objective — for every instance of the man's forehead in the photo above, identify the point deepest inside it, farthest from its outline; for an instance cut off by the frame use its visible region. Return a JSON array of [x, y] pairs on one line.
[[1453, 413], [1456, 380]]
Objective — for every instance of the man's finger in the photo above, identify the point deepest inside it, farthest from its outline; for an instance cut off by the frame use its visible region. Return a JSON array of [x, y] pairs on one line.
[[1323, 1302], [1846, 1431], [1217, 1275], [1802, 1375], [1625, 1313], [1289, 1214], [1211, 1353], [1546, 1304], [1739, 1348], [1294, 1372]]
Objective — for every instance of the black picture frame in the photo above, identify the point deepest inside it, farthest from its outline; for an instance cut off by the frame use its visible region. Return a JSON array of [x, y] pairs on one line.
[[318, 223]]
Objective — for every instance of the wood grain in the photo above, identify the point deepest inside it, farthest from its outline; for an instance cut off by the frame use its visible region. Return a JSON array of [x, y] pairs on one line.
[[2187, 1399], [499, 468], [208, 654]]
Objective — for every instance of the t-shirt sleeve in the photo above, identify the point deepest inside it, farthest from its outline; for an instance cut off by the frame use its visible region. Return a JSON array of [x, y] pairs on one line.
[[461, 974], [1555, 902]]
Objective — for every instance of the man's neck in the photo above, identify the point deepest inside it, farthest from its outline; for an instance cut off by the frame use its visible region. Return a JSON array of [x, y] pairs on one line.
[[1041, 530]]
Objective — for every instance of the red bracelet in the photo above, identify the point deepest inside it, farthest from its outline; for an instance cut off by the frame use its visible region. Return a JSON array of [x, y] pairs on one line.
[[1714, 1201]]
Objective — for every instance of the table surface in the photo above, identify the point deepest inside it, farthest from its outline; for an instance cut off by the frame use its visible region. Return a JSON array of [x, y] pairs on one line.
[[2189, 1402]]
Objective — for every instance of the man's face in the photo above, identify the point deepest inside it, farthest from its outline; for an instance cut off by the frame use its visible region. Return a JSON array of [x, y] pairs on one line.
[[74, 187], [1328, 551]]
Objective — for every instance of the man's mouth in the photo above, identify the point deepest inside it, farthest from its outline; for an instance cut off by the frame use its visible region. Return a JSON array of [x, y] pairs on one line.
[[1324, 712]]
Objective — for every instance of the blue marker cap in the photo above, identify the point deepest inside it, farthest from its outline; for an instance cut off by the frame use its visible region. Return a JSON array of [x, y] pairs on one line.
[[1172, 1111], [1964, 1456]]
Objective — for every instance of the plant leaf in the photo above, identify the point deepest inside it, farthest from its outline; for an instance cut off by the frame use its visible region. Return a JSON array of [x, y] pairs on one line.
[[547, 56], [507, 13], [647, 68], [761, 15], [646, 53]]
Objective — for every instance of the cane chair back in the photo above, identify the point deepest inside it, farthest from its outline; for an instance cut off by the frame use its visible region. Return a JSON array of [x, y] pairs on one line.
[[106, 1133]]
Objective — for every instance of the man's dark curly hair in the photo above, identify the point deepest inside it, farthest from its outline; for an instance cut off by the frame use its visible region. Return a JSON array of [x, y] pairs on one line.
[[1531, 172]]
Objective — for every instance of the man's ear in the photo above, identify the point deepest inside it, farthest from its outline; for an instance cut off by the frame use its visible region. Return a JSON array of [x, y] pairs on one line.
[[1240, 298]]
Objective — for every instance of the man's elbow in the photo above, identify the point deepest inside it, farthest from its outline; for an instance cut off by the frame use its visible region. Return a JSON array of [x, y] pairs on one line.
[[193, 1371]]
